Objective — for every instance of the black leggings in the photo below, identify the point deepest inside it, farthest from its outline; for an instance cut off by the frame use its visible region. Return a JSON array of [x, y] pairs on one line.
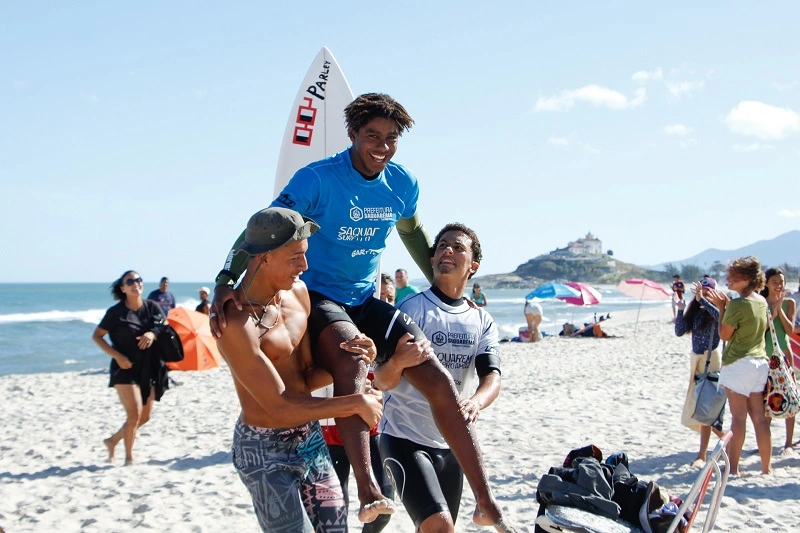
[[342, 466], [428, 480]]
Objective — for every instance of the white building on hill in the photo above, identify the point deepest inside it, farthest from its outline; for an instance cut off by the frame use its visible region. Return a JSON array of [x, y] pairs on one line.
[[589, 245]]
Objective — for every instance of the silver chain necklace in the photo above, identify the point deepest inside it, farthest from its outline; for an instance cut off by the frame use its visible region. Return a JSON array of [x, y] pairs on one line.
[[258, 321]]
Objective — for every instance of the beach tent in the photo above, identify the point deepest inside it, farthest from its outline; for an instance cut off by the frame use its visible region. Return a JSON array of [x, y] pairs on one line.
[[644, 289], [199, 347]]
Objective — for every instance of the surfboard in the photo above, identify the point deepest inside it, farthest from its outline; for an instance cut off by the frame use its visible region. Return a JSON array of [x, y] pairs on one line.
[[316, 128]]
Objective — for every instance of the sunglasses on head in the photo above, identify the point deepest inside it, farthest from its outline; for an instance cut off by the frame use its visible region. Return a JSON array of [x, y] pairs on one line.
[[130, 282]]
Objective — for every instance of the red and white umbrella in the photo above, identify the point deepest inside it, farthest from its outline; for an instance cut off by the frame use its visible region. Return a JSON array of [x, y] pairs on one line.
[[588, 295], [644, 289]]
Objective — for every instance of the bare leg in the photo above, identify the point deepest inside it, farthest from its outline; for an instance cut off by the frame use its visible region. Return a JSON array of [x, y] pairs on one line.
[[755, 407], [537, 319], [529, 320], [131, 400], [787, 445], [349, 377], [738, 407], [705, 436], [436, 385]]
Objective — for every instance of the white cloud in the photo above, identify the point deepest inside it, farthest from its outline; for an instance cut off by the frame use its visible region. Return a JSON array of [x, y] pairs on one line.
[[762, 120], [678, 130], [754, 147], [643, 76], [678, 89], [558, 141], [592, 94], [788, 213], [782, 87]]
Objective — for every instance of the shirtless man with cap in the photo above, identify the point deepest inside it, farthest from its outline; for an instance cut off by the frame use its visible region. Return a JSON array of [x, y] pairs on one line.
[[278, 448]]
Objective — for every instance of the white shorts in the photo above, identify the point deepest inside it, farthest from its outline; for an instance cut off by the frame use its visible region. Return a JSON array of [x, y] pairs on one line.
[[745, 376], [533, 308]]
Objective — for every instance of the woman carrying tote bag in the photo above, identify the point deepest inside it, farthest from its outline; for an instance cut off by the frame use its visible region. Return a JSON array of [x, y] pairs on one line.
[[745, 365], [782, 312], [696, 319]]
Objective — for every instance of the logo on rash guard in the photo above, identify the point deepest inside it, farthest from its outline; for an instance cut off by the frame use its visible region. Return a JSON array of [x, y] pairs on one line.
[[356, 234], [363, 251], [371, 213], [286, 200], [455, 360], [438, 338]]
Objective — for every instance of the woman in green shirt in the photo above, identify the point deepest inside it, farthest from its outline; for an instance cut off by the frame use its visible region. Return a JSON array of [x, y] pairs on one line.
[[782, 312], [744, 361]]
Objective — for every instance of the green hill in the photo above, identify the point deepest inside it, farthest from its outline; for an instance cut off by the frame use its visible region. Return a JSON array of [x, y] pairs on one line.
[[588, 268]]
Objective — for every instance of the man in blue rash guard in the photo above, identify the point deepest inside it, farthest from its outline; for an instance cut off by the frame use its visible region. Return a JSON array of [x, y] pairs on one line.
[[358, 196]]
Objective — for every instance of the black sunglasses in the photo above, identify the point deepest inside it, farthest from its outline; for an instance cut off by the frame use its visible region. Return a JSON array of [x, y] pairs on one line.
[[130, 282]]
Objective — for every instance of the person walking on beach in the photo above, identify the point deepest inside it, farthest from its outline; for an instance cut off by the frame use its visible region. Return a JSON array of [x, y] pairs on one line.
[[696, 319], [426, 474], [163, 297], [782, 313], [132, 325], [358, 197], [478, 296], [745, 365], [533, 316], [404, 290], [278, 448]]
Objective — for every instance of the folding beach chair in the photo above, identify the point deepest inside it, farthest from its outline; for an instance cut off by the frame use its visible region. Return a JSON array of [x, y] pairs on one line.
[[559, 518]]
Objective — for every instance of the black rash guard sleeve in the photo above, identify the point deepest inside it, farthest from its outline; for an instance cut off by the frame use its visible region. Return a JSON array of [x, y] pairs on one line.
[[486, 363]]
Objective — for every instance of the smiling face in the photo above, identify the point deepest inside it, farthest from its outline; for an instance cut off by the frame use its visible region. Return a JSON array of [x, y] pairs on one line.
[[285, 264], [453, 256], [776, 285], [374, 145], [132, 285]]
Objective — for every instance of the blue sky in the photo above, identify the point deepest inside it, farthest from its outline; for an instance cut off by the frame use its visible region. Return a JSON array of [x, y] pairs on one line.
[[143, 134]]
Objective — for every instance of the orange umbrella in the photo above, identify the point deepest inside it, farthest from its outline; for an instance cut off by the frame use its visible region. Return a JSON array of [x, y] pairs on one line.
[[199, 347]]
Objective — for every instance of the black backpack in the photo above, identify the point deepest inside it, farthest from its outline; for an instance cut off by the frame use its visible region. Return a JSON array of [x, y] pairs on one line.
[[168, 345]]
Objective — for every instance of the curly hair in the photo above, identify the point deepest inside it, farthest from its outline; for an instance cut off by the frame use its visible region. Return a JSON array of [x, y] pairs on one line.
[[749, 269], [376, 105], [768, 274], [116, 287], [477, 254]]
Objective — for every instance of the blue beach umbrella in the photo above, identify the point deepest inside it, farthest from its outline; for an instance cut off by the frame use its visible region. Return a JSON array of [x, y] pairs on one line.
[[552, 290]]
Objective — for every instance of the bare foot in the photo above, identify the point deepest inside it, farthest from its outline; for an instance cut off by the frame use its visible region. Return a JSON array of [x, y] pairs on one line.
[[788, 451], [128, 461], [501, 525], [110, 445], [369, 512], [698, 463]]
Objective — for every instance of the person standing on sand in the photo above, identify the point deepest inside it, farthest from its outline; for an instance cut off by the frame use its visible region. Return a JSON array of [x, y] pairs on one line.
[[678, 288], [745, 365], [782, 313], [696, 319], [424, 471], [163, 297], [278, 448], [533, 316], [133, 325], [204, 305], [403, 289], [359, 196]]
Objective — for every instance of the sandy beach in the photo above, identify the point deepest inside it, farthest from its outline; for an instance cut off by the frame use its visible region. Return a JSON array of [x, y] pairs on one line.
[[621, 394]]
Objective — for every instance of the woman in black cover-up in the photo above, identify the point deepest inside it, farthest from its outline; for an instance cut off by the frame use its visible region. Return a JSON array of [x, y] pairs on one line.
[[132, 324]]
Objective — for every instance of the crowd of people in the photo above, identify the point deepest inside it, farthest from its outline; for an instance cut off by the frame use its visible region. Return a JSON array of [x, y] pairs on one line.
[[399, 414]]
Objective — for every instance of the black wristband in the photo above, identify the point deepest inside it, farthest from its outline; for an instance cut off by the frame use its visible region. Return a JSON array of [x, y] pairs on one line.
[[225, 272]]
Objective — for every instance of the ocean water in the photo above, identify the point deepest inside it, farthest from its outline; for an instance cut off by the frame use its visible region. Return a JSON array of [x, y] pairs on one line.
[[47, 327]]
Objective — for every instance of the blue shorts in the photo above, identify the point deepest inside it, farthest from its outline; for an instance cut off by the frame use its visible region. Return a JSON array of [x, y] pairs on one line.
[[290, 478]]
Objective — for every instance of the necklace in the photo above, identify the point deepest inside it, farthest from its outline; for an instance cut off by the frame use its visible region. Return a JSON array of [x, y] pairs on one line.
[[258, 321]]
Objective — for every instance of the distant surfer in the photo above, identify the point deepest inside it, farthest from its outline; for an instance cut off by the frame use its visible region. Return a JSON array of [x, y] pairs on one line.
[[358, 197]]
